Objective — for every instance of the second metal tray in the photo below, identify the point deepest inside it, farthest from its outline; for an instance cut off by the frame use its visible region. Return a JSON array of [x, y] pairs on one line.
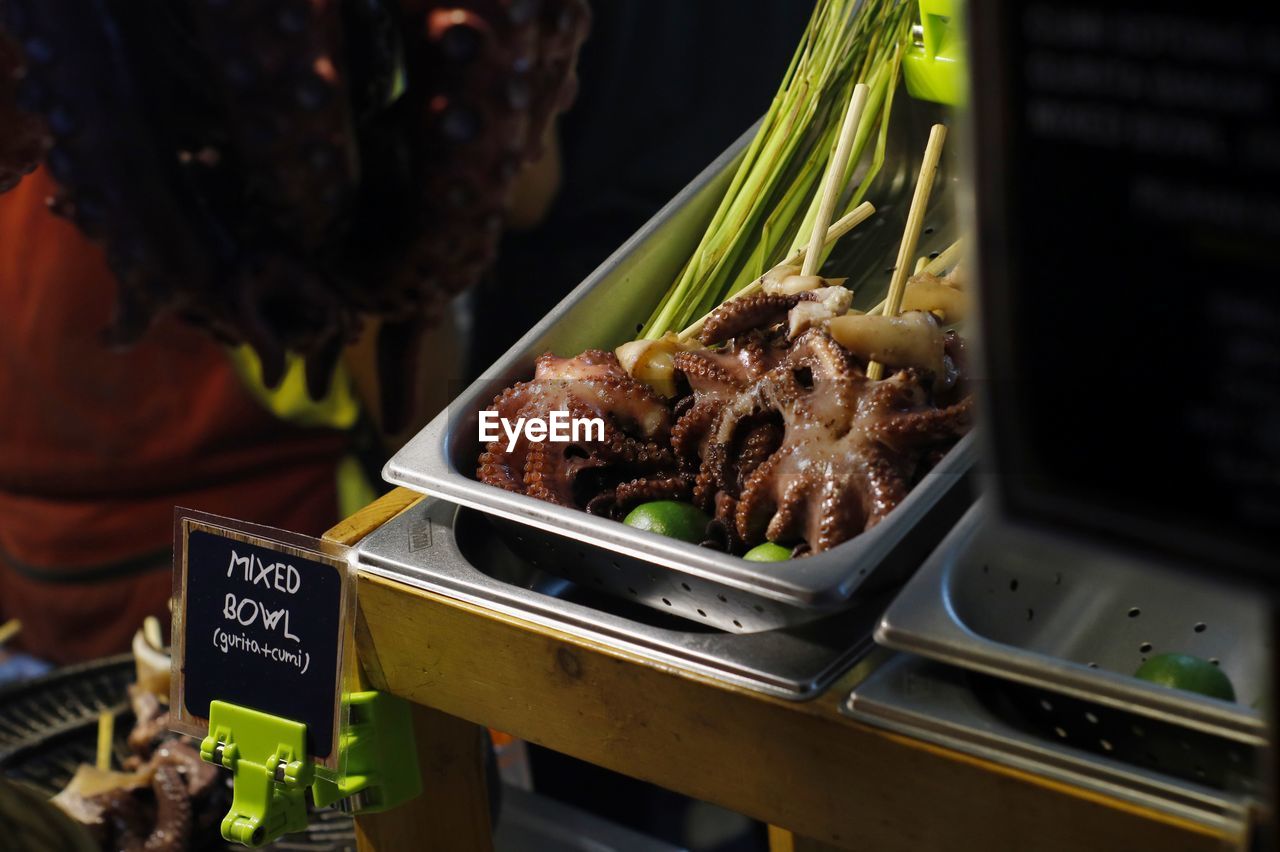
[[702, 584], [1061, 616]]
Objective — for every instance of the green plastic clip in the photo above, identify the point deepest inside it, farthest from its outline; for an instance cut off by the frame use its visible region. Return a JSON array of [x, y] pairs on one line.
[[271, 773], [381, 763], [935, 68]]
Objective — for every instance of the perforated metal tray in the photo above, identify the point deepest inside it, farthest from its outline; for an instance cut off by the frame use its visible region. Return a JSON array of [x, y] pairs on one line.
[[695, 582], [450, 550], [938, 703], [1071, 624]]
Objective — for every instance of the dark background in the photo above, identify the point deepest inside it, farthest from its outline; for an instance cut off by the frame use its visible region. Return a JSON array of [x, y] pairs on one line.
[[1129, 195]]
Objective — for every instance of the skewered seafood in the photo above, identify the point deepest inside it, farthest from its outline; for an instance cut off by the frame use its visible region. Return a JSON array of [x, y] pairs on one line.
[[777, 433], [166, 798], [632, 447]]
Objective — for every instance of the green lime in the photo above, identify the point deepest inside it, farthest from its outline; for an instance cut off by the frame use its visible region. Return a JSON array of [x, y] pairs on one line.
[[1183, 671], [768, 552], [670, 518]]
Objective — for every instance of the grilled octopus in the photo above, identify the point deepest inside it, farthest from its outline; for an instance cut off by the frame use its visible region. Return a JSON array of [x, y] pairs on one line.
[[777, 433], [279, 172]]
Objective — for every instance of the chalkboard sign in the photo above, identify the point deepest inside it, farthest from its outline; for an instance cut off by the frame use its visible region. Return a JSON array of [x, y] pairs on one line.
[[259, 621], [1127, 176]]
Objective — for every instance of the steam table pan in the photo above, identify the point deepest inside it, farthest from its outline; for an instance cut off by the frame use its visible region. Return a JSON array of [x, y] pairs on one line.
[[602, 312], [1056, 628], [452, 551], [941, 704]]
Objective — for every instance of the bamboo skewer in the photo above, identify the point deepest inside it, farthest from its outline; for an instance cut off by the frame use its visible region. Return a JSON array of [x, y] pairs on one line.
[[945, 260], [833, 184], [106, 739], [10, 629], [838, 229], [911, 236]]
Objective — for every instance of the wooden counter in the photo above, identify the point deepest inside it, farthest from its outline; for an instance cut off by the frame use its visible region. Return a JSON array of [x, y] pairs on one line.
[[821, 779]]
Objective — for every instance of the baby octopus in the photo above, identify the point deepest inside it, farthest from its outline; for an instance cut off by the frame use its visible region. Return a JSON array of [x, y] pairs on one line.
[[630, 464], [814, 452], [776, 432]]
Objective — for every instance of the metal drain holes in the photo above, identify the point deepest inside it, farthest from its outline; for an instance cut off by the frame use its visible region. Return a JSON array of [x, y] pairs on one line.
[[1106, 745], [1135, 612], [1031, 613], [667, 602], [1046, 705], [1091, 718], [1215, 661], [737, 624], [722, 599], [702, 613], [1145, 648], [1061, 732], [1013, 585], [1200, 627], [1138, 731], [685, 586], [633, 592]]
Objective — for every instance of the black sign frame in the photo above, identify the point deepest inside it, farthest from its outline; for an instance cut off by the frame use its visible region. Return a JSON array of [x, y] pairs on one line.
[[309, 552], [1022, 490]]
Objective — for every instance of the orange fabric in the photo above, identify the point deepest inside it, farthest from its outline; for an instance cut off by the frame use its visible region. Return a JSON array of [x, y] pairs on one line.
[[97, 446]]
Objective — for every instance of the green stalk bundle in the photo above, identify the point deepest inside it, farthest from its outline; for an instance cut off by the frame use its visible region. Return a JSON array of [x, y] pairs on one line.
[[769, 208]]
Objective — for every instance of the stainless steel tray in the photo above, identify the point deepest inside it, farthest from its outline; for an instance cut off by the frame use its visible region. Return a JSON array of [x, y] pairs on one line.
[[932, 702], [1061, 616], [451, 550], [603, 311]]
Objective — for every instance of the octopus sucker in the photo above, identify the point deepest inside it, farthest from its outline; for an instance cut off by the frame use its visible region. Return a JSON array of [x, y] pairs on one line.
[[173, 812], [628, 495], [745, 313], [774, 427], [634, 448]]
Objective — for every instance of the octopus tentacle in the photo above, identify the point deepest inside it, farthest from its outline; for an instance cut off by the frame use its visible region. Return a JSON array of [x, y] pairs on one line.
[[926, 426], [628, 495], [629, 443], [743, 314], [173, 812]]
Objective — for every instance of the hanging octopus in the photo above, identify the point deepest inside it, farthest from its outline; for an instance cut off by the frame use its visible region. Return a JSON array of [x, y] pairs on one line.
[[279, 171]]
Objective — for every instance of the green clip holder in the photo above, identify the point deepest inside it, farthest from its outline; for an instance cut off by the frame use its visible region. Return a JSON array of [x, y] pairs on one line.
[[271, 773], [379, 757], [935, 70]]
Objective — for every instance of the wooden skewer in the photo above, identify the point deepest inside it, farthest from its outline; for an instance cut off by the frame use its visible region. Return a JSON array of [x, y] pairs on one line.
[[106, 739], [937, 266], [10, 629], [911, 236], [838, 229], [833, 184]]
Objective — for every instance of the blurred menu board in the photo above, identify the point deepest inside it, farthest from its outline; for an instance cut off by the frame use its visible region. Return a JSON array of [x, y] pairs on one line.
[[1127, 173]]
